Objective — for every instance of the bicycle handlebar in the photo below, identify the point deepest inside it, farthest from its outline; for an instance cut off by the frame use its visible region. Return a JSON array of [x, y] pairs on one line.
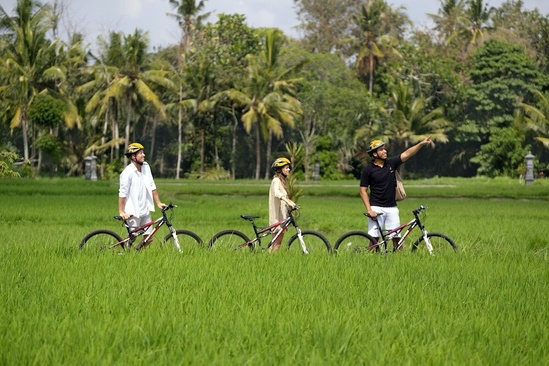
[[415, 212], [419, 209], [167, 207]]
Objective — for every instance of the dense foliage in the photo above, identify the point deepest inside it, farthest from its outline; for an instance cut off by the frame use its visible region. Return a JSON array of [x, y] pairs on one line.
[[227, 98]]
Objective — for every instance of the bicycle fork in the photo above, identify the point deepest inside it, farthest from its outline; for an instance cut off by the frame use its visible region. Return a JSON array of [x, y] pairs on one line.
[[175, 238], [301, 241], [427, 242]]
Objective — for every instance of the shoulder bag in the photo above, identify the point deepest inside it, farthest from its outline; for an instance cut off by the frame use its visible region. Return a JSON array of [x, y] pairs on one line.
[[400, 192]]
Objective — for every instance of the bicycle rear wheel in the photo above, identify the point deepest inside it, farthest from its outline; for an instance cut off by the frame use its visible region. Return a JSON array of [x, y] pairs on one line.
[[441, 244], [314, 241], [227, 240], [101, 240], [356, 241], [188, 241]]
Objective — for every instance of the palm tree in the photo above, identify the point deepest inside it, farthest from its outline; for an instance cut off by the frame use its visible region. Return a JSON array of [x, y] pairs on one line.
[[267, 99], [27, 55], [200, 102], [407, 122], [189, 21], [100, 77], [378, 29], [132, 82], [538, 118], [477, 19], [448, 18]]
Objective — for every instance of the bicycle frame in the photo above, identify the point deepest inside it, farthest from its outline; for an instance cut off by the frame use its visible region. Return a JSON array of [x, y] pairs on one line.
[[263, 232], [410, 225], [158, 223]]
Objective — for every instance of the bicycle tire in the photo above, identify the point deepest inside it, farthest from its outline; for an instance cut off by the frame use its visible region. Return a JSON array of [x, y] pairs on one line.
[[188, 241], [315, 242], [229, 240], [441, 243], [356, 241], [100, 240]]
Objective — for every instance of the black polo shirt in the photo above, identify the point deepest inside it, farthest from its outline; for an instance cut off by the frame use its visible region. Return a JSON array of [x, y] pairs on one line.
[[381, 181]]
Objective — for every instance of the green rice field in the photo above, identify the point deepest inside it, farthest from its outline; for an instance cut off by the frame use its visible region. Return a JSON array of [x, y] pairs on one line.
[[484, 305]]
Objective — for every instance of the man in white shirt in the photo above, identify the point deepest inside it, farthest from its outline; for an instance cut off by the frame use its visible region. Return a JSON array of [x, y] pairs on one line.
[[137, 193]]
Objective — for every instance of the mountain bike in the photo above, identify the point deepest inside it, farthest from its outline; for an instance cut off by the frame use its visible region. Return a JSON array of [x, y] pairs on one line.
[[360, 241], [106, 239], [308, 241]]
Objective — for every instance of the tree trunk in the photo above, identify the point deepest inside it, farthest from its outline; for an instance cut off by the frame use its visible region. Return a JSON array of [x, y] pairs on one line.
[[233, 147], [153, 134], [268, 154], [39, 163], [23, 119], [371, 76], [127, 133], [202, 150], [257, 153], [308, 135], [179, 136], [179, 143], [103, 140]]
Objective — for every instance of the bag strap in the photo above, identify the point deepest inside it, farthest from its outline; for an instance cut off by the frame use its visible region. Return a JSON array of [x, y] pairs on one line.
[[398, 177]]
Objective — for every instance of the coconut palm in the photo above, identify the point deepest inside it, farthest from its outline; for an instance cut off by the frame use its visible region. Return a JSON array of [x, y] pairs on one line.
[[447, 20], [406, 121], [537, 118], [267, 98], [129, 84], [376, 36], [478, 18], [188, 17], [26, 55]]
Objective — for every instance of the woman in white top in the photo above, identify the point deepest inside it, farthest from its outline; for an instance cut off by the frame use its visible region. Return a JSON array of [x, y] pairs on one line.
[[279, 203]]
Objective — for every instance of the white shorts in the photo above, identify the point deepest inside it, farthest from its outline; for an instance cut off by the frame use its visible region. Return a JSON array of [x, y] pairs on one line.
[[135, 222], [389, 220]]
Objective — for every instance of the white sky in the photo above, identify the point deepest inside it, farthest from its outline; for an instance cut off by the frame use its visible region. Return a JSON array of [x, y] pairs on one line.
[[99, 17]]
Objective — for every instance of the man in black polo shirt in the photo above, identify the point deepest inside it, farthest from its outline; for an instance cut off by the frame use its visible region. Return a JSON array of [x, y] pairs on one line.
[[379, 177]]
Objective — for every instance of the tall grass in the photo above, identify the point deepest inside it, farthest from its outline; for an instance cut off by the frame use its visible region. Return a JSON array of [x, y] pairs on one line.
[[484, 305]]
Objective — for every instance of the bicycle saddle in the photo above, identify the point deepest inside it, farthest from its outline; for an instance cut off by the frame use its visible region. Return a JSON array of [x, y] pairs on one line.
[[249, 217]]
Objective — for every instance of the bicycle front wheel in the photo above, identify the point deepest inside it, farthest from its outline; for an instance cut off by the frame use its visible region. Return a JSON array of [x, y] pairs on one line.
[[227, 240], [440, 243], [314, 241], [356, 241], [187, 240], [101, 240]]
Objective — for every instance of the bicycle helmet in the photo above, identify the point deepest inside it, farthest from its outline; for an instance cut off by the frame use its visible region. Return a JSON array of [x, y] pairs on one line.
[[374, 145], [133, 148], [280, 163]]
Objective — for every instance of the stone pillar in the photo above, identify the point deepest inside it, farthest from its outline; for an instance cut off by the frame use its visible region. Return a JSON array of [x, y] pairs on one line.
[[316, 171], [529, 177]]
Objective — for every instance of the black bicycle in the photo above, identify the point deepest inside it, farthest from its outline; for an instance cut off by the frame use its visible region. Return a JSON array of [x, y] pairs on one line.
[[106, 239], [360, 241], [308, 241]]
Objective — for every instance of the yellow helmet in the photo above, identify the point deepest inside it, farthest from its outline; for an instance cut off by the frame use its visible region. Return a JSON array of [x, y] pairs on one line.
[[280, 162], [133, 148], [374, 145]]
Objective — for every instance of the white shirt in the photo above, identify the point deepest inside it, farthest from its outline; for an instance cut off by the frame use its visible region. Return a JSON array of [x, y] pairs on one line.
[[137, 188]]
